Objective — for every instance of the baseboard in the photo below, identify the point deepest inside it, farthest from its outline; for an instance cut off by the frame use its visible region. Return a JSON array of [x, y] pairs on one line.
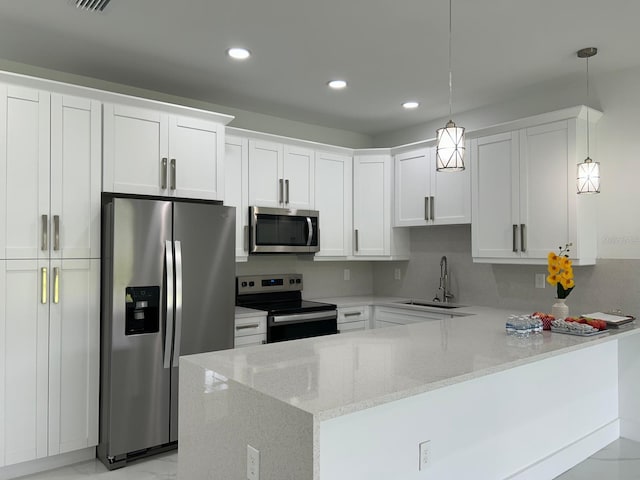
[[630, 429], [47, 463], [562, 460]]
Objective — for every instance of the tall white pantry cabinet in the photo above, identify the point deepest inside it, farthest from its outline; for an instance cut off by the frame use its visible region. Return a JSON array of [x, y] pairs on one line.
[[50, 171]]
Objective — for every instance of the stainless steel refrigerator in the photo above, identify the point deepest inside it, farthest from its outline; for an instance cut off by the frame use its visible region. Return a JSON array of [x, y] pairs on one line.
[[168, 271]]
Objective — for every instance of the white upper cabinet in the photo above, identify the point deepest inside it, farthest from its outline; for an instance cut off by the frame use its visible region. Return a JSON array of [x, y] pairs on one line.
[[524, 194], [280, 175], [373, 234], [424, 196], [333, 200], [151, 152], [50, 171], [76, 172], [236, 164]]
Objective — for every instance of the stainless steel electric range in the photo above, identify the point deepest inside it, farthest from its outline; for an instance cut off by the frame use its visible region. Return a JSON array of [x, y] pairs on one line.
[[289, 317]]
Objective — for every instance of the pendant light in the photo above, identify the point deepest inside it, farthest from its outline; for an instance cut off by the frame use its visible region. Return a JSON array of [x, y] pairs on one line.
[[588, 180], [450, 147]]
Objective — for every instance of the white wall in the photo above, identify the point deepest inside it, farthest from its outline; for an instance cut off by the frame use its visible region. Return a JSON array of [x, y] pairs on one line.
[[613, 282], [243, 118]]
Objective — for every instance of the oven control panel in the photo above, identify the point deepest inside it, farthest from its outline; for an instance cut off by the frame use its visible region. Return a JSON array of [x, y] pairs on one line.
[[289, 282]]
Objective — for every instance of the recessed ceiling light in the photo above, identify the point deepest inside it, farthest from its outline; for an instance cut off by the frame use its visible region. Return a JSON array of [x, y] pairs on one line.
[[410, 105], [337, 84], [239, 53]]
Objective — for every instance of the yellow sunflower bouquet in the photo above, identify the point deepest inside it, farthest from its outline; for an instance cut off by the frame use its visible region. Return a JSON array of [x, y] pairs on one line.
[[561, 271]]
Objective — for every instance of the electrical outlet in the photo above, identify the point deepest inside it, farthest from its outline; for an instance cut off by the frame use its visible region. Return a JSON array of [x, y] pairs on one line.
[[397, 274], [425, 455], [540, 280], [347, 274], [253, 463]]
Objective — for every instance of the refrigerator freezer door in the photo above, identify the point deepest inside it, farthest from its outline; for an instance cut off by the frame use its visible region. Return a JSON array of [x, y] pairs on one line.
[[135, 384], [204, 236]]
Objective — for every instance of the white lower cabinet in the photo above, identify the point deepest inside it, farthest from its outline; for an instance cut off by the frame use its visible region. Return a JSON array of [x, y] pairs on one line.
[[250, 330], [353, 318], [49, 334], [392, 316]]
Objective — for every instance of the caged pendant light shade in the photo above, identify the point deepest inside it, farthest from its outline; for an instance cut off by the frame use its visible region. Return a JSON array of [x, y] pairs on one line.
[[588, 178], [450, 139]]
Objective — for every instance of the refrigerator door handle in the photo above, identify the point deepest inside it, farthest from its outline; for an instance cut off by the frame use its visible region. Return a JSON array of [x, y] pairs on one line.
[[168, 257], [178, 335]]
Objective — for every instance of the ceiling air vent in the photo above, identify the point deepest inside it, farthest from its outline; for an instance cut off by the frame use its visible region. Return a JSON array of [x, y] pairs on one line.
[[92, 5]]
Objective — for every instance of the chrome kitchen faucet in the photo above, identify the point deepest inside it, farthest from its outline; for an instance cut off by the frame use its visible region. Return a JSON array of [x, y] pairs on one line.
[[444, 282]]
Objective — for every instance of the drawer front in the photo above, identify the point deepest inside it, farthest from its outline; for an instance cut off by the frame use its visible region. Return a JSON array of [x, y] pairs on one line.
[[352, 326], [353, 314], [250, 340], [251, 326]]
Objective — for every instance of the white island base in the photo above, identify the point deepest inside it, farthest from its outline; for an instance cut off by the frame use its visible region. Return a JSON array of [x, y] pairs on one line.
[[357, 406]]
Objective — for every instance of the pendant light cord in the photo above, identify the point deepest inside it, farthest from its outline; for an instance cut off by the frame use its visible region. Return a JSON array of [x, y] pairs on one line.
[[588, 98], [450, 75]]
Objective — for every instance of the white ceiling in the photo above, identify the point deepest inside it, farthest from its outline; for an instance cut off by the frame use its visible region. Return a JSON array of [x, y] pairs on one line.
[[388, 50]]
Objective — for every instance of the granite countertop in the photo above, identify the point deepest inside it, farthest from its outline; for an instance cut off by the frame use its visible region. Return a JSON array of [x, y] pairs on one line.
[[339, 374]]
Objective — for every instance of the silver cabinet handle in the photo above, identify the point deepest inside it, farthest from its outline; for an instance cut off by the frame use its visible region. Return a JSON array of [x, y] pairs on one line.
[[163, 173], [56, 285], [523, 243], [352, 314], [357, 246], [426, 208], [45, 233], [56, 232], [310, 226], [515, 235], [178, 335], [286, 184], [43, 284], [245, 327], [173, 174], [433, 208], [280, 191], [168, 258]]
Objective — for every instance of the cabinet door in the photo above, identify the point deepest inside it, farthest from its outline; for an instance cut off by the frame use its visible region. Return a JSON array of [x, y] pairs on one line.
[[298, 170], [495, 186], [24, 172], [413, 175], [236, 164], [135, 150], [371, 205], [24, 332], [266, 185], [75, 177], [333, 199], [196, 153], [451, 194], [544, 191], [74, 346]]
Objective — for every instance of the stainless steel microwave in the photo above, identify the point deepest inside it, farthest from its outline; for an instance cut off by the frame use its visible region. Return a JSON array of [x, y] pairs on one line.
[[283, 230]]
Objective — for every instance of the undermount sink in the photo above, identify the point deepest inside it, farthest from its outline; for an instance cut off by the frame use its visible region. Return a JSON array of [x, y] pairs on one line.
[[421, 303]]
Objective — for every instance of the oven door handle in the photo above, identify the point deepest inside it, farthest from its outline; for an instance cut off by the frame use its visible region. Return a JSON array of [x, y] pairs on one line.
[[303, 317]]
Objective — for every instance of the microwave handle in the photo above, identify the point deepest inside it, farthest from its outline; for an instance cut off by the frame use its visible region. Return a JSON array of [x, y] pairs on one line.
[[310, 225]]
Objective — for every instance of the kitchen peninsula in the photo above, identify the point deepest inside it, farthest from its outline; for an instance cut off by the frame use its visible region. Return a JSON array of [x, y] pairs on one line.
[[358, 405]]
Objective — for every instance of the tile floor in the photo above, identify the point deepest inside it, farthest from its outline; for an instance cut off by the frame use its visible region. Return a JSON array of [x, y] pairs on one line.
[[617, 461]]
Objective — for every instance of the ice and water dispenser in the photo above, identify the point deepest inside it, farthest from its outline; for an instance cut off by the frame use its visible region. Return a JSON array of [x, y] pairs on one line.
[[142, 310]]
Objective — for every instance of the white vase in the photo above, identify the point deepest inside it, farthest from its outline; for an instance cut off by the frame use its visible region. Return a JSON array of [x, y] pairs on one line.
[[560, 310]]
